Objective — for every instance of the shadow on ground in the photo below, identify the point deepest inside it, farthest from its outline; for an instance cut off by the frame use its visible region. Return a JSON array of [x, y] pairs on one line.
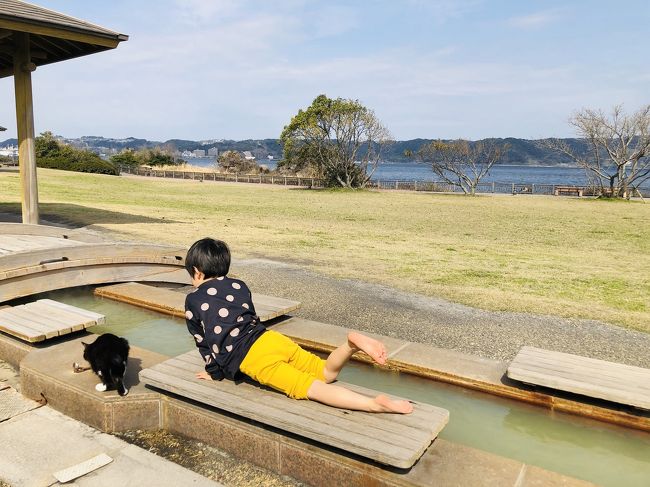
[[75, 216]]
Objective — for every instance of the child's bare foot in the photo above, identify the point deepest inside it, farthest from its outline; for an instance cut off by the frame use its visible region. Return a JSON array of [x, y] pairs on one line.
[[388, 405], [372, 347]]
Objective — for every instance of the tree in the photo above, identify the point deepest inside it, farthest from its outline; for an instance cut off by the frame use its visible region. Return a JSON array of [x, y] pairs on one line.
[[619, 155], [340, 138], [234, 161], [461, 163], [154, 157], [125, 158], [45, 145], [50, 153]]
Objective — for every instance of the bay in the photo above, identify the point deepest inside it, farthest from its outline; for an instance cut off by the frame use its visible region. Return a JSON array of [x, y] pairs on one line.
[[413, 171]]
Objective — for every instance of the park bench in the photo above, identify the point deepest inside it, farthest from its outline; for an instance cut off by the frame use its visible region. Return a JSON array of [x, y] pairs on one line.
[[619, 383], [44, 319], [172, 302], [568, 191], [391, 439]]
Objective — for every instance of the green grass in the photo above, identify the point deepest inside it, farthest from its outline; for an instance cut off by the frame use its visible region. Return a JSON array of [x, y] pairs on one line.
[[560, 256]]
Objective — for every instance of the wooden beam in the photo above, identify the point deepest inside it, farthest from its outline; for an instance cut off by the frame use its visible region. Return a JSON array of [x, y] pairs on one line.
[[87, 38], [48, 45], [25, 124]]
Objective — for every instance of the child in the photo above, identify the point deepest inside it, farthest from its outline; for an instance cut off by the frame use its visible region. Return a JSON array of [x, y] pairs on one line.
[[232, 340]]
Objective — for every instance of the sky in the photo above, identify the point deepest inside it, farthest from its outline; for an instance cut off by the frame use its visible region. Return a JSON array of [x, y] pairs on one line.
[[240, 69]]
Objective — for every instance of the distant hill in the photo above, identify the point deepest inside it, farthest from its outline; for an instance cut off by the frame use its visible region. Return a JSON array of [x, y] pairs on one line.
[[522, 151]]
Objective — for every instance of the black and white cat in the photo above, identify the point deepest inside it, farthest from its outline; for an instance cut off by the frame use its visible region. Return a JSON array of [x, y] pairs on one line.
[[107, 357]]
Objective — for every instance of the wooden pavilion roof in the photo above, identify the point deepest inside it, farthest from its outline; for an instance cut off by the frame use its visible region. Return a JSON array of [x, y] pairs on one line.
[[53, 37]]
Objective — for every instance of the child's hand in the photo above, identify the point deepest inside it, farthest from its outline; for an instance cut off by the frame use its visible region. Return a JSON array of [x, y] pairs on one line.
[[203, 375]]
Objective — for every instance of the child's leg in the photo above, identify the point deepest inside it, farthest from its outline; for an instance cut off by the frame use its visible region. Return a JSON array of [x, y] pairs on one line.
[[340, 397], [356, 341]]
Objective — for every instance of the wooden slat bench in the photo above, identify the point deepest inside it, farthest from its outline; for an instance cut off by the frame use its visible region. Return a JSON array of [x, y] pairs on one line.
[[45, 318], [392, 439], [173, 302], [568, 190], [619, 383]]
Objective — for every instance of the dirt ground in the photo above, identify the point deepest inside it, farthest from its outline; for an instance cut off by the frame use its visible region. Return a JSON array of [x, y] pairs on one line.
[[210, 462]]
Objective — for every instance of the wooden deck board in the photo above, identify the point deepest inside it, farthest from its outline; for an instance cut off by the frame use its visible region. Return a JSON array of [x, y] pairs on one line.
[[391, 439], [173, 302], [43, 319], [96, 317], [619, 383]]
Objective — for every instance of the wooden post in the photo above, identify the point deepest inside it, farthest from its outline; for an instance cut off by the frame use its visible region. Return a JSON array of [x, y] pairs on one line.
[[23, 68]]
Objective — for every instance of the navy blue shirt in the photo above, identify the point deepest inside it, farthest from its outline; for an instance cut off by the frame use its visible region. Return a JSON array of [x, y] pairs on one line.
[[221, 317]]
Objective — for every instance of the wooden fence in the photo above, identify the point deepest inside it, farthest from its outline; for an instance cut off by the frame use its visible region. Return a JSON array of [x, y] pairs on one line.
[[404, 185]]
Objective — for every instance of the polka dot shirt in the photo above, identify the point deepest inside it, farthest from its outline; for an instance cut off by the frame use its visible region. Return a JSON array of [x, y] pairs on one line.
[[221, 317]]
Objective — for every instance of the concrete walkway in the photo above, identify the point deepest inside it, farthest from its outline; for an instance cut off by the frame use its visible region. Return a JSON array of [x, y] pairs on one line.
[[37, 443]]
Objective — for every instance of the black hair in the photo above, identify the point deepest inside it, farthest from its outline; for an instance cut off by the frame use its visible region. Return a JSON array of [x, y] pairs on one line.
[[209, 256]]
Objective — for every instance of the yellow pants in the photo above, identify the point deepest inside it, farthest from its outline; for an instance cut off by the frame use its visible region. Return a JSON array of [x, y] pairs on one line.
[[276, 361]]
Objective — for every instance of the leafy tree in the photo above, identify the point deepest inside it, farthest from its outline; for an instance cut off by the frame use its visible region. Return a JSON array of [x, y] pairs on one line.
[[45, 145], [462, 163], [340, 138], [125, 158], [52, 154], [154, 157], [619, 155], [234, 161]]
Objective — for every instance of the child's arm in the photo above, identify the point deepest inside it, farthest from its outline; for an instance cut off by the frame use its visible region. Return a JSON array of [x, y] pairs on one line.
[[212, 369]]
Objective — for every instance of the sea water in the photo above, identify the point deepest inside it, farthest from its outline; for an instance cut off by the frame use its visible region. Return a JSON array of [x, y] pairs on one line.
[[414, 171]]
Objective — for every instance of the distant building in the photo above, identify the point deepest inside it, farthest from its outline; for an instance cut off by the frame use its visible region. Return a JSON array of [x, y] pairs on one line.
[[248, 156], [199, 153], [269, 157], [213, 152], [9, 151]]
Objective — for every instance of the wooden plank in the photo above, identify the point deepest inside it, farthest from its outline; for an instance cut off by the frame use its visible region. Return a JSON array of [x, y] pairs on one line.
[[397, 425], [12, 327], [173, 302], [100, 319], [192, 362], [43, 319], [15, 317], [603, 367], [61, 276], [50, 327], [592, 376], [65, 324], [599, 371], [311, 428], [36, 317], [392, 439], [620, 383], [56, 249]]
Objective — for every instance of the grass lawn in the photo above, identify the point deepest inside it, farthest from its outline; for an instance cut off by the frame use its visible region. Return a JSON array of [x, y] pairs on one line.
[[550, 255]]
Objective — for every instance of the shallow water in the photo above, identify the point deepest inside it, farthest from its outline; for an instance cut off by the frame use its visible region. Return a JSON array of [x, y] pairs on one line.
[[598, 452]]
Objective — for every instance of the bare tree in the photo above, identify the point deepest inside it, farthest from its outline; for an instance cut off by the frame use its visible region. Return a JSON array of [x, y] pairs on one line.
[[341, 138], [461, 163], [619, 155]]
